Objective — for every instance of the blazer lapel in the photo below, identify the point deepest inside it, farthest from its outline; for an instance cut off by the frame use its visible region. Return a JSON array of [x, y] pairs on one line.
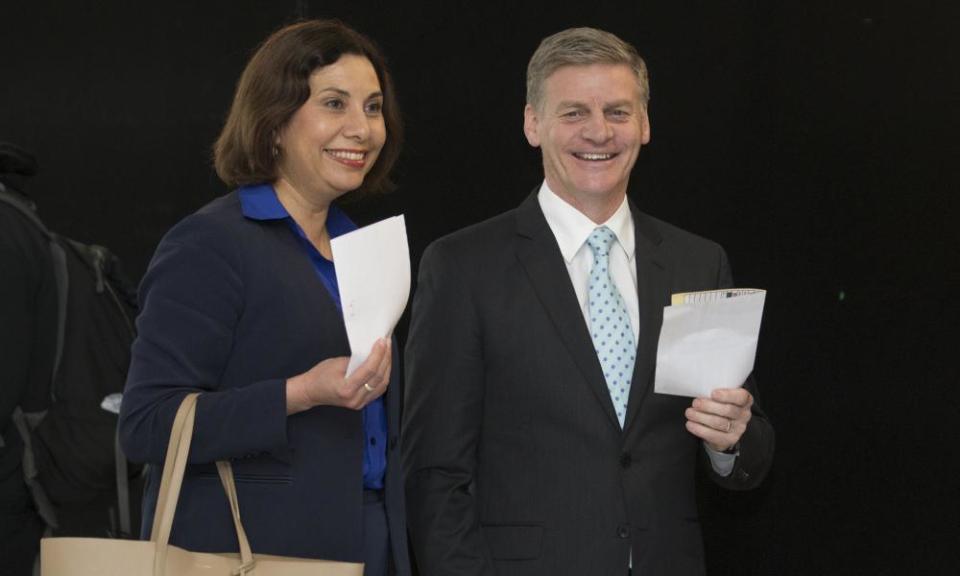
[[540, 256], [653, 284]]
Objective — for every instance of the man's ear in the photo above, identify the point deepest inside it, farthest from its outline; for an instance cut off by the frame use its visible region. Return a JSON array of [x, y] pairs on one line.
[[645, 128], [530, 126]]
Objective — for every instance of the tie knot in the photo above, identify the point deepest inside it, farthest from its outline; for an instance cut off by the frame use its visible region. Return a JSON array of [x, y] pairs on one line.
[[600, 240]]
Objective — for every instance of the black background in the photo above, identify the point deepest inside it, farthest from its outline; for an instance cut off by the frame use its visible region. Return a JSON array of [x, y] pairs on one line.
[[817, 141]]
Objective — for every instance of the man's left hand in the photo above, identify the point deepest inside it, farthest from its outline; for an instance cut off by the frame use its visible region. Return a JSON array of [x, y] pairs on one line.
[[721, 419]]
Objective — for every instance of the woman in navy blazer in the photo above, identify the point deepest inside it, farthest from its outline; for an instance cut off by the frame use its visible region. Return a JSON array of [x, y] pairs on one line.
[[240, 302]]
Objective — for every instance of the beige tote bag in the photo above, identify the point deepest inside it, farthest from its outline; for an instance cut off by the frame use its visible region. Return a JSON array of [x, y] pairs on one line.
[[106, 557]]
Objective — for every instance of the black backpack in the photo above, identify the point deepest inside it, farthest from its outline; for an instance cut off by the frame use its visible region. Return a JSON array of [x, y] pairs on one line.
[[71, 455]]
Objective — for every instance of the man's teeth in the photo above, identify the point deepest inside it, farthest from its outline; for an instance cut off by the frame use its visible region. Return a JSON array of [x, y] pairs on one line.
[[589, 156], [356, 156]]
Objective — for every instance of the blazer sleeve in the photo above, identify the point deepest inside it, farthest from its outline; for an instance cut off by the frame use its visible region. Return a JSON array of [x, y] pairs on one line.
[[757, 443], [192, 298], [442, 420]]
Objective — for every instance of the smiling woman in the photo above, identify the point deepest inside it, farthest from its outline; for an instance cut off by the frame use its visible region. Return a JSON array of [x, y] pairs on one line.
[[241, 304], [277, 82], [331, 142]]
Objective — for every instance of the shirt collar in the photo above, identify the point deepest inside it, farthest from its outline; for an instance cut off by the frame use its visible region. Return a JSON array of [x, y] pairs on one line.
[[572, 228], [260, 202]]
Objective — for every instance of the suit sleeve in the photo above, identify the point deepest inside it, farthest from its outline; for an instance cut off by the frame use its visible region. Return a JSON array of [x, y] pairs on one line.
[[442, 420], [191, 303], [757, 442]]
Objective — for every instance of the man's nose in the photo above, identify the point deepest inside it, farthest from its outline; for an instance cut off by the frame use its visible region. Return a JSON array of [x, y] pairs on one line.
[[597, 129]]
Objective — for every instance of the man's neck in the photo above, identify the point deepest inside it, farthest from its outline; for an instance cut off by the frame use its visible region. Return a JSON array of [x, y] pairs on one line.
[[599, 209]]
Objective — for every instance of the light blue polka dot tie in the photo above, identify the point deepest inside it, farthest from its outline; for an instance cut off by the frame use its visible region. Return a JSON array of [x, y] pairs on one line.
[[610, 323]]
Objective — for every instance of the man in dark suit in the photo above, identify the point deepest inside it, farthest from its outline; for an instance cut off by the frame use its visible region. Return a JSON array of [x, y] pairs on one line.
[[534, 443], [28, 328]]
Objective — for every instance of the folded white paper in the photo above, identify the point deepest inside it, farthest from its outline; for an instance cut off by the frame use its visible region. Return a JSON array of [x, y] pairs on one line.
[[373, 275], [708, 340]]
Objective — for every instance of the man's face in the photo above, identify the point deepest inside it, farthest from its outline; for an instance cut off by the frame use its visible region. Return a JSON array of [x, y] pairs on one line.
[[590, 126]]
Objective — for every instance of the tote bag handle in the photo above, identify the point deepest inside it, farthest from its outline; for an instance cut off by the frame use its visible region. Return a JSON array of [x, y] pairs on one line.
[[174, 467]]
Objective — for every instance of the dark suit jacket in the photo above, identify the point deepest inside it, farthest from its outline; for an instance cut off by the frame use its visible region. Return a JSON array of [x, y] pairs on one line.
[[232, 307], [514, 460]]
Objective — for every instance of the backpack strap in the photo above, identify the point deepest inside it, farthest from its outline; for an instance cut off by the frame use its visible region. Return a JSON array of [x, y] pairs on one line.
[[62, 279], [25, 206], [60, 276], [123, 488], [45, 508]]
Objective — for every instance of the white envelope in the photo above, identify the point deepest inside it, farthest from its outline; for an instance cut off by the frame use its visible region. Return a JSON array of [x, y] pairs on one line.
[[708, 340]]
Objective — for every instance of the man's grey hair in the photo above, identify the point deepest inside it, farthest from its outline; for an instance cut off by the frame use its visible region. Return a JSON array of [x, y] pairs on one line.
[[580, 47]]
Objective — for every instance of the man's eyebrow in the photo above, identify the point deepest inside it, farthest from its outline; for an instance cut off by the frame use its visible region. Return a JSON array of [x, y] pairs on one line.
[[571, 104], [606, 106]]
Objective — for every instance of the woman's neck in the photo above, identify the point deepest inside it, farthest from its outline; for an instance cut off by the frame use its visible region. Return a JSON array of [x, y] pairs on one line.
[[310, 213]]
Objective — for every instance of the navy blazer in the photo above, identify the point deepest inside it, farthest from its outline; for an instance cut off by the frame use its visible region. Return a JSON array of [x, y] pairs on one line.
[[232, 307]]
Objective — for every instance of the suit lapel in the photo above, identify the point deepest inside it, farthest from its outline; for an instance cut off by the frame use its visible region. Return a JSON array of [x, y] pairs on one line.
[[653, 283], [540, 256]]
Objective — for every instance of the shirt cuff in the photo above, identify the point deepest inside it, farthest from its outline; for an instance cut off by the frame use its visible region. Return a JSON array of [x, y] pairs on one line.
[[722, 462]]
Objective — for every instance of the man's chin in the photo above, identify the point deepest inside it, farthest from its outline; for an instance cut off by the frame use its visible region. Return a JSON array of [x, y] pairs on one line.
[[599, 191]]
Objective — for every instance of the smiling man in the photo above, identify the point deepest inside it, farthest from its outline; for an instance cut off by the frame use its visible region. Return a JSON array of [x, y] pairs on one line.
[[534, 443]]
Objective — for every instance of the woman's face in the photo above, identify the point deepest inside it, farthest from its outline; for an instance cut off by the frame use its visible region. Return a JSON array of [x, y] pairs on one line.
[[332, 141]]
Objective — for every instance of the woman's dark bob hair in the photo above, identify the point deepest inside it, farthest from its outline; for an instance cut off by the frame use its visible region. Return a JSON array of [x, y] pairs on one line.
[[275, 84]]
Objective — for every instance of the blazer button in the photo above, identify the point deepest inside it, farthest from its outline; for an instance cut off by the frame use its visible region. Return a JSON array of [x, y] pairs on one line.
[[393, 442], [626, 460], [623, 531]]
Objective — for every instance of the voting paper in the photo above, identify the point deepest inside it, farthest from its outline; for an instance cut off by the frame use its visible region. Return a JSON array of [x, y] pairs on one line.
[[708, 340], [373, 275]]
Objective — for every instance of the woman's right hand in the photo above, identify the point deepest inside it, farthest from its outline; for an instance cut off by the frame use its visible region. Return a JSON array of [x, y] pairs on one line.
[[326, 383]]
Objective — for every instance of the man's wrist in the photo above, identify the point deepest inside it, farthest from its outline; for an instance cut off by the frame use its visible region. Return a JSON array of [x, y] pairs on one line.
[[721, 461], [734, 449]]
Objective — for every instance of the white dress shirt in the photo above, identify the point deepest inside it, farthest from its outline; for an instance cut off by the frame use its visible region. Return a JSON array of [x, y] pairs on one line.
[[571, 228]]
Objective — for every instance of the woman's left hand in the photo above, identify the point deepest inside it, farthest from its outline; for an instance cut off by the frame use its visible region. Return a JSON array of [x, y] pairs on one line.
[[326, 384]]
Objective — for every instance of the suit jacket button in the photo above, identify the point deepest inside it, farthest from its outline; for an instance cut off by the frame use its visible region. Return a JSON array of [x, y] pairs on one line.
[[623, 531], [625, 460], [393, 442]]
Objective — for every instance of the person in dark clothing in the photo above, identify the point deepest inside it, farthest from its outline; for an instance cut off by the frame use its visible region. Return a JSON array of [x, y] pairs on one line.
[[27, 334]]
